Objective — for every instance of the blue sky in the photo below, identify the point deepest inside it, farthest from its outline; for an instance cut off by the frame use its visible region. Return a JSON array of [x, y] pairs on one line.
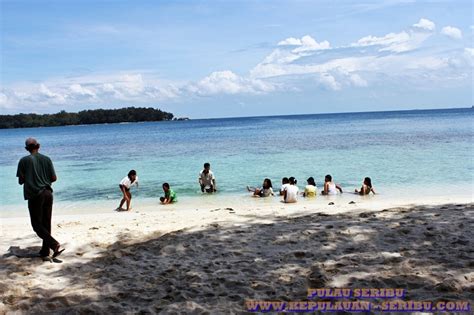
[[236, 58]]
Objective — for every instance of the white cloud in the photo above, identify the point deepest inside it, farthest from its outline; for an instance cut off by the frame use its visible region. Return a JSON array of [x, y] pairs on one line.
[[291, 41], [292, 49], [329, 82], [3, 99], [357, 80], [425, 24], [129, 85], [281, 56], [167, 92], [366, 62], [452, 32], [310, 44], [108, 87], [396, 42], [89, 90], [469, 56], [8, 101], [394, 55], [427, 63], [123, 88], [286, 54], [79, 91], [227, 82], [306, 43], [46, 92], [403, 41]]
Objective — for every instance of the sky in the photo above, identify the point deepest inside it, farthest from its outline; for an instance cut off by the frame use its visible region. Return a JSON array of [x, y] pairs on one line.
[[208, 59]]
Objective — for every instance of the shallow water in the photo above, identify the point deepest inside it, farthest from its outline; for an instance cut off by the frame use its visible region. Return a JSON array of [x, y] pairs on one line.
[[405, 152]]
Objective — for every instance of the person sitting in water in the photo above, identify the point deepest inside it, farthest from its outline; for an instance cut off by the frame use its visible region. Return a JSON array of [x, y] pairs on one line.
[[366, 187], [284, 183], [291, 191], [265, 191], [125, 184], [330, 188], [207, 179], [170, 195], [310, 189]]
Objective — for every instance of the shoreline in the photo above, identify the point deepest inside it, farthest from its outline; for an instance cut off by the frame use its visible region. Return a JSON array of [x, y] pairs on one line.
[[188, 260], [243, 201]]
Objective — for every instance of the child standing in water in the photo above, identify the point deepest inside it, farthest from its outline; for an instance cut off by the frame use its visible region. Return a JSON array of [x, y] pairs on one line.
[[125, 184], [170, 195], [366, 187]]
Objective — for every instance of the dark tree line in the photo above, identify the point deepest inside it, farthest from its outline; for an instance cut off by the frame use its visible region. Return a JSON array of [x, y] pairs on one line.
[[85, 117]]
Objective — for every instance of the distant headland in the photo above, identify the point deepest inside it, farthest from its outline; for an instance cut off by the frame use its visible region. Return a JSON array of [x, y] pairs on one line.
[[86, 117]]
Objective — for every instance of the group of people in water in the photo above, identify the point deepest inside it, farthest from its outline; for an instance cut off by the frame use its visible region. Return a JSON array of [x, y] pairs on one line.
[[207, 181], [289, 190], [132, 180], [36, 174]]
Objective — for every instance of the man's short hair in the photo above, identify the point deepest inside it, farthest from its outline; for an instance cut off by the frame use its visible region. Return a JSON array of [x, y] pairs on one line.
[[31, 144], [207, 165]]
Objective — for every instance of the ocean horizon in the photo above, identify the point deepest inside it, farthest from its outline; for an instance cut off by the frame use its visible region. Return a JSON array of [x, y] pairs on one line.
[[406, 153]]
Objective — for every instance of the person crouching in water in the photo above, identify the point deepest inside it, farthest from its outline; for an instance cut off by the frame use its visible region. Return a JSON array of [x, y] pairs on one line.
[[125, 184], [285, 182], [330, 188], [170, 195], [366, 187], [265, 191], [310, 189], [291, 191], [207, 180]]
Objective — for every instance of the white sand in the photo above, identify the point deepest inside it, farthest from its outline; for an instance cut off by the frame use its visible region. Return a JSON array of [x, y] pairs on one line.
[[209, 258]]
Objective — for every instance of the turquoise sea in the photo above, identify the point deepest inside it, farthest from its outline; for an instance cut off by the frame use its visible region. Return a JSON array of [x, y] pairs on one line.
[[426, 152]]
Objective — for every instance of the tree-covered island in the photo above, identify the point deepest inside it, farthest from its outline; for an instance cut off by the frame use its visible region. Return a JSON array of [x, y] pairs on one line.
[[85, 117]]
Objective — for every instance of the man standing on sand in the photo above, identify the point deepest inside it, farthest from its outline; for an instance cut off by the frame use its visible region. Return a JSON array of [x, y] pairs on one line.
[[36, 174], [207, 179]]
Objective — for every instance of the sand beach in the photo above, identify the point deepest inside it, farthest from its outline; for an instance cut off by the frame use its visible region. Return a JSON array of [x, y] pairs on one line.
[[170, 260]]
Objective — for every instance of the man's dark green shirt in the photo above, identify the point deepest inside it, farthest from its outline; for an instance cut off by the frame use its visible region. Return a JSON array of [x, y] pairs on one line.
[[37, 170]]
